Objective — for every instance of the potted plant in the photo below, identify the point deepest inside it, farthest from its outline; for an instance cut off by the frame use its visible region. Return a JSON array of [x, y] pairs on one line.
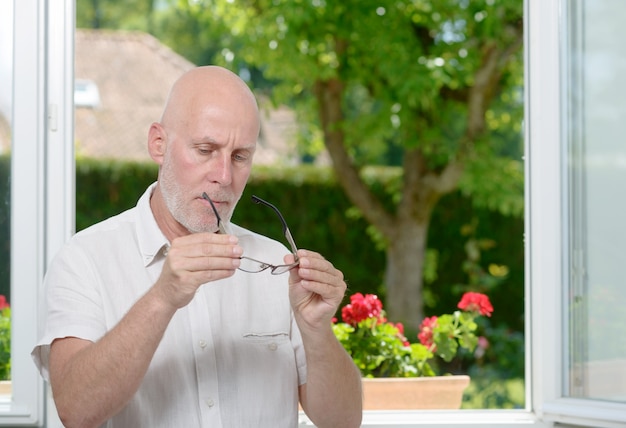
[[5, 346], [386, 357]]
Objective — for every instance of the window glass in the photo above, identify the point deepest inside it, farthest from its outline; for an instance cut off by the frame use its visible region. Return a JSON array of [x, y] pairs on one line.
[[597, 176], [6, 48]]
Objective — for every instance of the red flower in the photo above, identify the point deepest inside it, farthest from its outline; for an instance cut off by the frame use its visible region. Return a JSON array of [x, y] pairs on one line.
[[360, 308], [476, 302], [400, 327], [3, 302], [426, 331], [401, 335]]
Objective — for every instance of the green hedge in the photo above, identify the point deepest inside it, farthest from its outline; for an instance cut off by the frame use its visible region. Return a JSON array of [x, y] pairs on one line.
[[309, 198], [317, 211], [321, 219], [5, 226]]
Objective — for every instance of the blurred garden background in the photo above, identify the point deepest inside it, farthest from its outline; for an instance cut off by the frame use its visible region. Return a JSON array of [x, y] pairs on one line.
[[400, 158]]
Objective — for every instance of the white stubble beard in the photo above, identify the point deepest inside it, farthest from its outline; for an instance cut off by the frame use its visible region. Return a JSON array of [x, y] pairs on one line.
[[175, 201]]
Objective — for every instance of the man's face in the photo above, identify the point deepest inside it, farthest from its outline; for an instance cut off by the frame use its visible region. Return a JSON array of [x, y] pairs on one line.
[[216, 161]]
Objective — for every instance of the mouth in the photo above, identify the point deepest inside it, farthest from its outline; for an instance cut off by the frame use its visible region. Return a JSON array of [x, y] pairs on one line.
[[211, 202]]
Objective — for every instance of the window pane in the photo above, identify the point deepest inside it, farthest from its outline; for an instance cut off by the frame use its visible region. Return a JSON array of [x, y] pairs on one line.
[[597, 176], [6, 49]]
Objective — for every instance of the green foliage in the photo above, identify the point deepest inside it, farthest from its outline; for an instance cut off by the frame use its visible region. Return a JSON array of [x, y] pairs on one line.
[[107, 187], [467, 260], [403, 88], [184, 27], [503, 358], [309, 197], [322, 219], [378, 350], [5, 225], [439, 93], [486, 393], [406, 87], [5, 343], [127, 15], [461, 327], [495, 183], [421, 91]]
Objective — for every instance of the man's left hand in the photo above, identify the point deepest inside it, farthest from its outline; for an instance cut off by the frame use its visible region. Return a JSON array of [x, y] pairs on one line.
[[316, 289]]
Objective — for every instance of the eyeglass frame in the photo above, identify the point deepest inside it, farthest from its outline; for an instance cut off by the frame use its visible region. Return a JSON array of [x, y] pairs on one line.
[[274, 269]]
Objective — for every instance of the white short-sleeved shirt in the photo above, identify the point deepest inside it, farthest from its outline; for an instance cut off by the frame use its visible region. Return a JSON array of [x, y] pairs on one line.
[[233, 357]]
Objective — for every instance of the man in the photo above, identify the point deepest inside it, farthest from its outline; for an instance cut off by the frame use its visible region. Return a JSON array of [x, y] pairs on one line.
[[151, 323]]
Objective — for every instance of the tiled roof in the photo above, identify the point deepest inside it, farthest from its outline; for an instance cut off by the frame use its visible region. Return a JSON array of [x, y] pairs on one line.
[[134, 72]]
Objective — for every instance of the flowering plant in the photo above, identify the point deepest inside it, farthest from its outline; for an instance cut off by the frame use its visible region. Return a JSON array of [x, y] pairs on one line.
[[5, 338], [380, 349]]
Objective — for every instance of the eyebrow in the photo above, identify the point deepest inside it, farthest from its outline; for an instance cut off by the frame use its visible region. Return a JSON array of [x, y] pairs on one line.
[[210, 141]]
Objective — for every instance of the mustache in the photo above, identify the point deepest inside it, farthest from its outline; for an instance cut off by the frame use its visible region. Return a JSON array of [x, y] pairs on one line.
[[220, 198]]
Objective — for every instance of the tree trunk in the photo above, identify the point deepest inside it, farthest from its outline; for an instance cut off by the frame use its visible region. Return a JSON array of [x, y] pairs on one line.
[[403, 274]]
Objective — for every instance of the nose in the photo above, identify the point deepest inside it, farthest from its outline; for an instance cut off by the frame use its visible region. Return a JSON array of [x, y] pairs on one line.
[[221, 170]]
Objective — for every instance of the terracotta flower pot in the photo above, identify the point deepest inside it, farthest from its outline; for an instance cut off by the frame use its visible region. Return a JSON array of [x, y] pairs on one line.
[[437, 392], [5, 387]]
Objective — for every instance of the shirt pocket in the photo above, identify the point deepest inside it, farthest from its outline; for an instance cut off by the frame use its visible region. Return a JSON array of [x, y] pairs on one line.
[[270, 340], [269, 353]]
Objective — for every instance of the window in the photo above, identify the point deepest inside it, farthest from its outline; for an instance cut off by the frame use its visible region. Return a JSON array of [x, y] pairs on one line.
[[575, 171], [41, 179], [574, 107], [596, 170], [86, 94]]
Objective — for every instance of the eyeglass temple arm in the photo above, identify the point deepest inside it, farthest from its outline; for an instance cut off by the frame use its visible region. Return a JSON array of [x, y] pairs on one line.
[[217, 216], [286, 230]]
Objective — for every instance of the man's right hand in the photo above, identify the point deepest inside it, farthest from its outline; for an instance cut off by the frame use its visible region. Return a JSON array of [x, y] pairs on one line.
[[193, 260]]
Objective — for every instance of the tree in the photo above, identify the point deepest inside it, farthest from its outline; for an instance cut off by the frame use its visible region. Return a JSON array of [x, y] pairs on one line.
[[129, 15], [432, 85], [438, 79]]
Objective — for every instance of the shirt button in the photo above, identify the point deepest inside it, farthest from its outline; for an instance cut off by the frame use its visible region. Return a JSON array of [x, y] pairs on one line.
[[272, 346], [209, 402], [202, 344]]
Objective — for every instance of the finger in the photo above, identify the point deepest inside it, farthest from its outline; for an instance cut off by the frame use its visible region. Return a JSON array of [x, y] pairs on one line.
[[207, 244], [313, 266], [202, 263], [200, 254], [204, 253], [321, 277]]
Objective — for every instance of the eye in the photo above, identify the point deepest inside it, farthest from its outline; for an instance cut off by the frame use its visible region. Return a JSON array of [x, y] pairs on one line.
[[205, 150], [241, 156]]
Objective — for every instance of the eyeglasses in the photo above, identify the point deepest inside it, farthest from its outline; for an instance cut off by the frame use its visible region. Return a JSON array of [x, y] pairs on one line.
[[251, 265]]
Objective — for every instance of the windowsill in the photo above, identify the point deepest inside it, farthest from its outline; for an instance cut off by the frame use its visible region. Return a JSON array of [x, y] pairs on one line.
[[444, 419]]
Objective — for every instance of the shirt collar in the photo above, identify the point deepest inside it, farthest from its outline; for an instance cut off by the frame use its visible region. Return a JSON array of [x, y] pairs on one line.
[[152, 242]]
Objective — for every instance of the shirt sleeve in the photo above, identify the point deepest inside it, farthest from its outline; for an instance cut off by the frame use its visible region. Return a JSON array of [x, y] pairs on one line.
[[73, 305]]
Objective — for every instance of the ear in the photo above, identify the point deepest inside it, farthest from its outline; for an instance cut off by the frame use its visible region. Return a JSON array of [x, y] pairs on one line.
[[157, 142]]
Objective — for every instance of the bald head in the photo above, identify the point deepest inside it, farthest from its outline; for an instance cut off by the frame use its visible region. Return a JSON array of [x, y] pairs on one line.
[[205, 88], [205, 143]]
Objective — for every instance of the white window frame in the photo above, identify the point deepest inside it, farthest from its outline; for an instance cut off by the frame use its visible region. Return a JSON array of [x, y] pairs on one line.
[[42, 183], [43, 218], [27, 165], [547, 220]]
